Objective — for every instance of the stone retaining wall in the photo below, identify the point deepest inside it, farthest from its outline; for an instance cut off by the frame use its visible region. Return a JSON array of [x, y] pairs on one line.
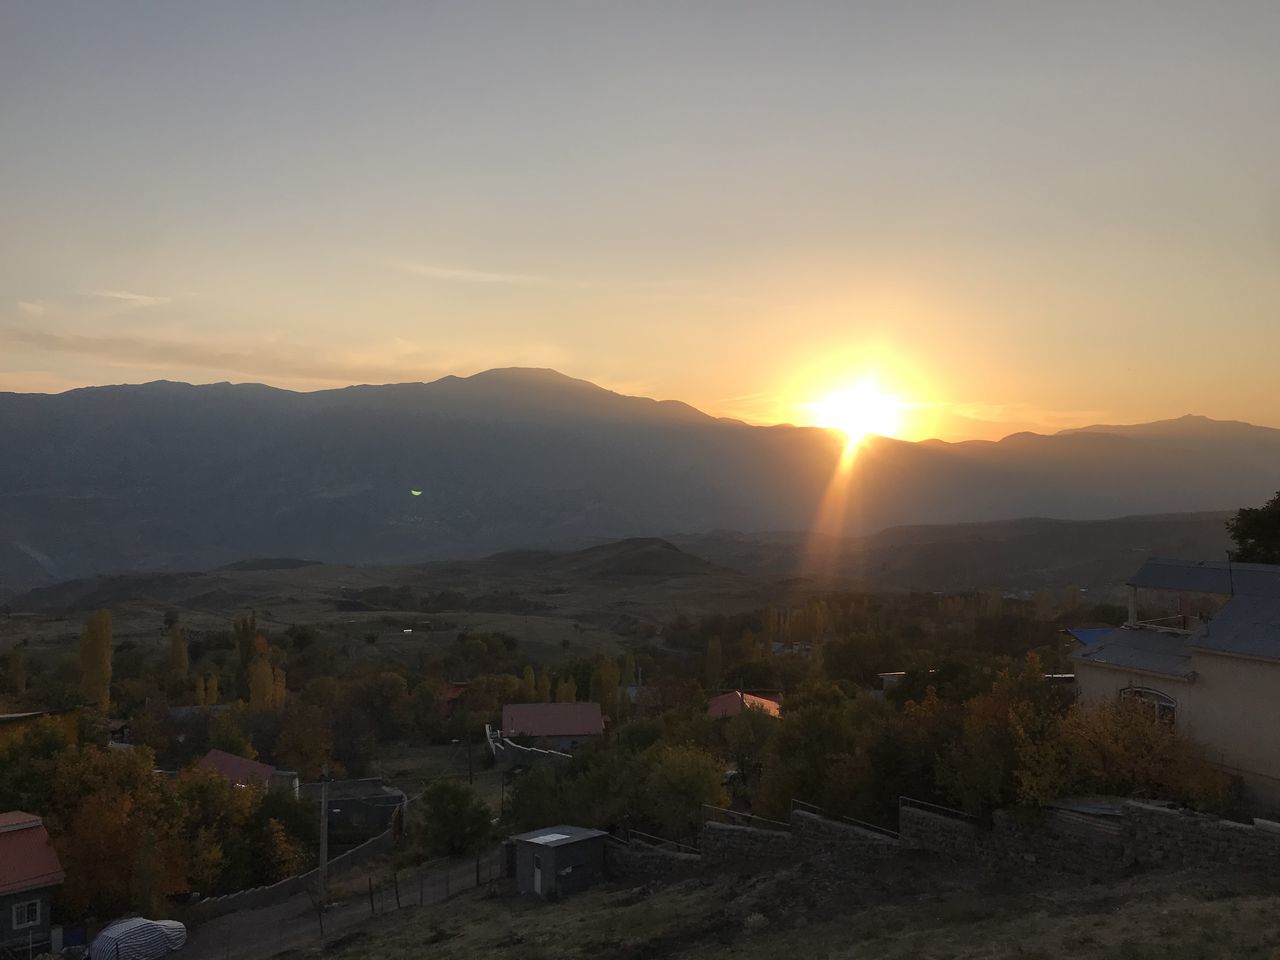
[[814, 834], [1182, 838], [722, 842], [638, 860]]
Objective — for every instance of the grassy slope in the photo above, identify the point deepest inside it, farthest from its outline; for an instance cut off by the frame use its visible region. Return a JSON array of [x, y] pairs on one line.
[[914, 909]]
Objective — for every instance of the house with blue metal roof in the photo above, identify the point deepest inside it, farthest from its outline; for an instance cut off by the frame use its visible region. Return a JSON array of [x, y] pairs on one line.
[[1212, 667]]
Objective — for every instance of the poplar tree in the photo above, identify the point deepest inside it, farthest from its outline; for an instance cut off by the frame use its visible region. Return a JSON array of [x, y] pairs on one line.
[[95, 660]]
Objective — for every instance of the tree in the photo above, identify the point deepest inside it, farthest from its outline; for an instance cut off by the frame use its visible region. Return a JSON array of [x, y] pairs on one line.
[[604, 686], [454, 821], [567, 691], [747, 736], [262, 684], [179, 658], [544, 687], [245, 630], [15, 671], [679, 781], [211, 693], [528, 685], [95, 660], [1256, 532], [713, 665], [305, 743], [198, 694]]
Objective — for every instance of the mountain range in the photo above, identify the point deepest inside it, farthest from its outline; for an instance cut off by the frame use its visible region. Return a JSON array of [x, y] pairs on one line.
[[166, 476]]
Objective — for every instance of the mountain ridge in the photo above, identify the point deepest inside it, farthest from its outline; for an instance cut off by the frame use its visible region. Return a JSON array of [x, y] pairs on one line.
[[169, 475]]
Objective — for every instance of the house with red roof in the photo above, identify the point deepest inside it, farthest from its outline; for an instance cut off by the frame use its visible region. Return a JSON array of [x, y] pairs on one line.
[[735, 701], [563, 725], [244, 772], [29, 872]]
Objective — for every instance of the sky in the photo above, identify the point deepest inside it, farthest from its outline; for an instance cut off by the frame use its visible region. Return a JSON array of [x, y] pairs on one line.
[[1012, 216]]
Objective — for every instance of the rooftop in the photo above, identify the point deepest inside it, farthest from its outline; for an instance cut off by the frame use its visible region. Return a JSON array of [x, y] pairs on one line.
[[1247, 626], [1141, 649], [558, 836], [735, 701], [27, 860], [237, 769], [552, 720]]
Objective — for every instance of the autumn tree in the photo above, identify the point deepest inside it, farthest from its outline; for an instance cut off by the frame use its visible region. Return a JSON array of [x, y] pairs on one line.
[[305, 743], [713, 665], [179, 655], [567, 690], [211, 692], [747, 736], [544, 688], [95, 660], [604, 686], [528, 686]]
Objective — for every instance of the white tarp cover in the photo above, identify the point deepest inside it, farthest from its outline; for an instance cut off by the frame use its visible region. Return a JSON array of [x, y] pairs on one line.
[[138, 939]]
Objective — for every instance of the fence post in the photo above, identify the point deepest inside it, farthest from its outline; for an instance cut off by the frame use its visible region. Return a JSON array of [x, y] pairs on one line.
[[477, 871], [421, 884], [395, 880], [371, 908]]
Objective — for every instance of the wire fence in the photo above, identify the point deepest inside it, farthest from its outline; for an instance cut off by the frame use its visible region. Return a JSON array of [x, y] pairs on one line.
[[301, 924]]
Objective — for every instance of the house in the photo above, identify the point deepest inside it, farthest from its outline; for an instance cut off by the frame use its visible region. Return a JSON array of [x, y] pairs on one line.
[[1212, 667], [563, 725], [14, 726], [558, 861], [735, 701], [244, 772], [29, 872]]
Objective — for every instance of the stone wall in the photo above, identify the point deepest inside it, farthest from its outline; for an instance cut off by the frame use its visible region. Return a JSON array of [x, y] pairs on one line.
[[814, 835], [641, 861], [1182, 838], [723, 842], [939, 832]]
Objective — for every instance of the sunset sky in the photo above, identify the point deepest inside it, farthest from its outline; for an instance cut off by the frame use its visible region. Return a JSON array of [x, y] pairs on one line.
[[1011, 215]]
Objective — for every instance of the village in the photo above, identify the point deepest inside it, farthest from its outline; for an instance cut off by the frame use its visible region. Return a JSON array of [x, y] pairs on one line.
[[1145, 744]]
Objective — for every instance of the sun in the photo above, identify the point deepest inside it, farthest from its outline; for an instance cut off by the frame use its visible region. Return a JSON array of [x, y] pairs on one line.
[[860, 410]]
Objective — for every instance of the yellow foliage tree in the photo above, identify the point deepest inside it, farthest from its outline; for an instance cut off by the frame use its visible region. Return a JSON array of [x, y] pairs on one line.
[[567, 691], [179, 656], [95, 660]]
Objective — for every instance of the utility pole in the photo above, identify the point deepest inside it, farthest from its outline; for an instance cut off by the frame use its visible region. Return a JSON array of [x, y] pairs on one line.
[[470, 775], [324, 832]]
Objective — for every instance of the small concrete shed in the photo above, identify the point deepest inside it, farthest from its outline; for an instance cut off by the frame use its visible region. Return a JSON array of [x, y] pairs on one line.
[[558, 861]]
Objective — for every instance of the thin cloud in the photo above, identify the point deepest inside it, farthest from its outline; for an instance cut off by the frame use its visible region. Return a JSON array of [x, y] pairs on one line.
[[132, 299], [33, 308], [467, 275]]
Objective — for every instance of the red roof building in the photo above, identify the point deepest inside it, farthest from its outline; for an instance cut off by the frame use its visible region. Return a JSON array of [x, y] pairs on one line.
[[552, 720], [239, 770], [735, 701], [27, 860]]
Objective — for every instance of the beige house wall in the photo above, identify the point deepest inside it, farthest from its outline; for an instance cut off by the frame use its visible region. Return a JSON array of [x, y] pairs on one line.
[[1232, 708]]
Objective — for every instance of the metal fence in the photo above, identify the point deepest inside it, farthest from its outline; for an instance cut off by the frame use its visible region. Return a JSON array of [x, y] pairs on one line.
[[737, 818], [852, 821], [649, 840], [928, 807]]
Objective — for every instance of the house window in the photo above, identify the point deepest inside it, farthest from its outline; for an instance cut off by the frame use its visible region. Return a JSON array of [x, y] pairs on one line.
[[1162, 706], [26, 914]]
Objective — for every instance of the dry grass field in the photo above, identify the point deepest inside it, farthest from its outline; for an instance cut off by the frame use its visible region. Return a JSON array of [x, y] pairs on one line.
[[912, 910]]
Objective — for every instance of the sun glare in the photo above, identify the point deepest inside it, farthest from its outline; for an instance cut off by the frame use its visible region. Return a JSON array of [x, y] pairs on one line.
[[860, 410]]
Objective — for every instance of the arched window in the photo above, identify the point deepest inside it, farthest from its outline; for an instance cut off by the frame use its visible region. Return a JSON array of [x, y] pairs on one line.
[[1163, 706]]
